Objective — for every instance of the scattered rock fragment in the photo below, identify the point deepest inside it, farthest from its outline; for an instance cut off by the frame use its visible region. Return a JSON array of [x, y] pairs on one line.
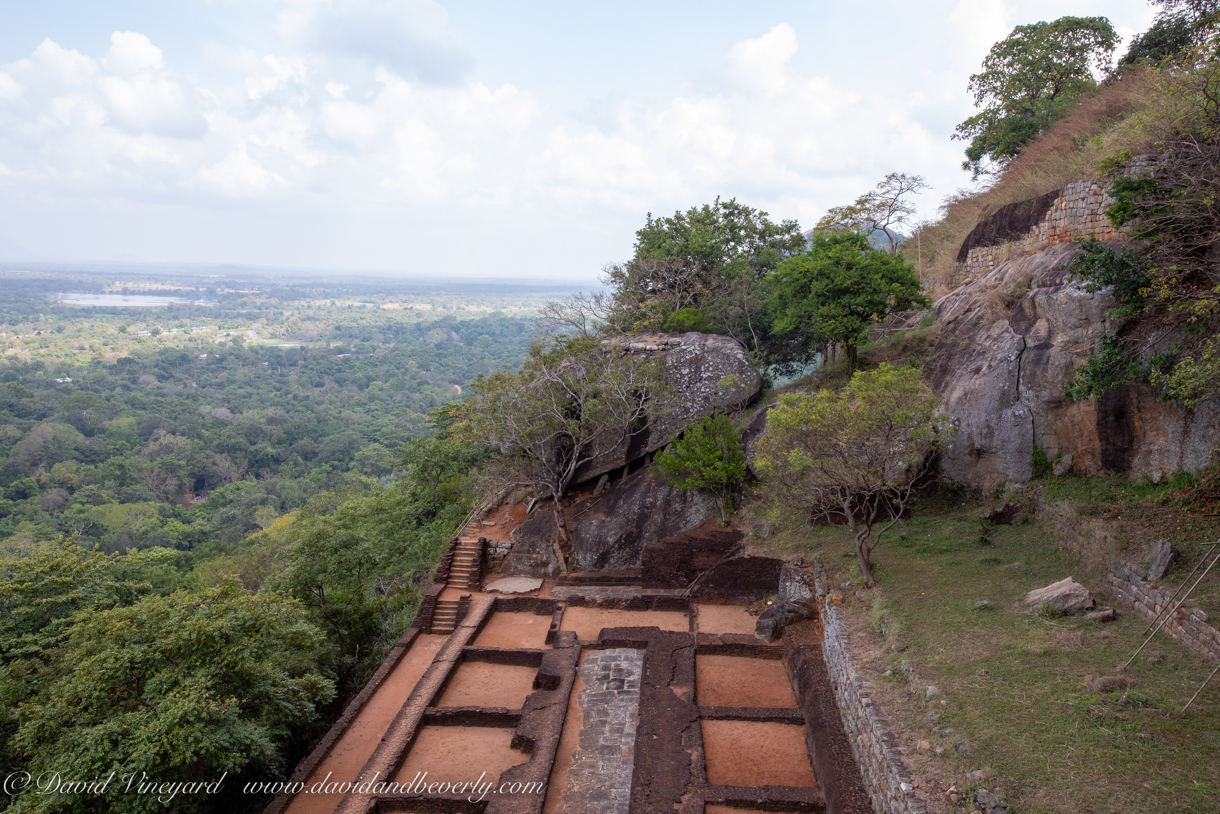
[[982, 604], [1101, 615], [923, 747], [930, 693], [989, 803]]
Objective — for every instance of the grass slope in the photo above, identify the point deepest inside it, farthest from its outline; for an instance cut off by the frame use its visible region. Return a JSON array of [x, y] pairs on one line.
[[1013, 683]]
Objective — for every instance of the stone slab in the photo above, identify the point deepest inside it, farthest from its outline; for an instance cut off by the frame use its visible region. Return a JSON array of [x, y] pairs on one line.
[[514, 585]]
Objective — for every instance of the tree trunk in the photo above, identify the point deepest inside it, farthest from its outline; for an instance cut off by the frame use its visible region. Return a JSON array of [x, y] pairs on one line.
[[851, 356], [561, 532], [863, 554]]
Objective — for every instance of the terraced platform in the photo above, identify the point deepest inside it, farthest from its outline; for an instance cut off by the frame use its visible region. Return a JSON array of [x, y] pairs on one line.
[[616, 701]]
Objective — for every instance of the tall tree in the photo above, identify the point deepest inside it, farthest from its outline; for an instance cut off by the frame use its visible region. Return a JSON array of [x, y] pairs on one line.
[[851, 457], [1028, 82], [700, 268], [837, 289]]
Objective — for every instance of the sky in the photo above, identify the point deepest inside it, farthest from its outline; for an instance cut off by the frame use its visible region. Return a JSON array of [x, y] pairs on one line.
[[468, 139]]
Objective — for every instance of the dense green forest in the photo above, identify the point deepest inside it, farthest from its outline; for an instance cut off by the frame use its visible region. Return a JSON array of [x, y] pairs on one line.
[[264, 463]]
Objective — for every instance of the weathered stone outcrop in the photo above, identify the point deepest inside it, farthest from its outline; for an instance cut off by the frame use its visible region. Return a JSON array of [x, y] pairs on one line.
[[612, 529], [533, 552], [1008, 343], [708, 373]]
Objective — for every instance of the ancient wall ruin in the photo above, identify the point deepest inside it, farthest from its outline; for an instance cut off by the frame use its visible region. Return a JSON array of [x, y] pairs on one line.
[[876, 749], [1074, 212], [1188, 627]]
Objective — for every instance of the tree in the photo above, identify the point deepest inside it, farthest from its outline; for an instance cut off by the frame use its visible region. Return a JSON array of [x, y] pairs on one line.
[[1028, 82], [884, 208], [572, 401], [704, 262], [173, 688], [1169, 35], [707, 458], [852, 457], [835, 290]]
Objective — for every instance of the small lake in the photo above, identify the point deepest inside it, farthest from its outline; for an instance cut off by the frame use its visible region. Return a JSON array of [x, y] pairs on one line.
[[123, 300]]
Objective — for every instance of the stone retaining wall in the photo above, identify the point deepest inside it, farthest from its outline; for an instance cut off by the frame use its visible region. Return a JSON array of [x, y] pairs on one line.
[[876, 749], [1078, 212], [1188, 627]]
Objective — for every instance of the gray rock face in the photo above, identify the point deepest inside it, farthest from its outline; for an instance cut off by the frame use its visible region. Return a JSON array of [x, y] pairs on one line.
[[533, 551], [612, 529], [795, 601], [708, 374], [1000, 365], [1065, 596], [1162, 558], [754, 430]]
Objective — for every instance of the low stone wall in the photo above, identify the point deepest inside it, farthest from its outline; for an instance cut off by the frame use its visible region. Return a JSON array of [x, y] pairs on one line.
[[1188, 627], [876, 749]]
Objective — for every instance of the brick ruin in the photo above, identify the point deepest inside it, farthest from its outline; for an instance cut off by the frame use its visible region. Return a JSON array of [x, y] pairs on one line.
[[615, 693]]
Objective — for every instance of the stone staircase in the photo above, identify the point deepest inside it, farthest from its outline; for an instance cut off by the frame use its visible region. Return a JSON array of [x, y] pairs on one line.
[[463, 571]]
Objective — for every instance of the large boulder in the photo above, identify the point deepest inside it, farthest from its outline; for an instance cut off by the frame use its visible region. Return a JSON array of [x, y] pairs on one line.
[[1065, 596], [534, 553], [612, 529], [1008, 343], [708, 373]]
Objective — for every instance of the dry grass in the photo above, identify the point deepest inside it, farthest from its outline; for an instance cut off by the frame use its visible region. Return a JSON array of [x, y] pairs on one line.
[[1069, 152]]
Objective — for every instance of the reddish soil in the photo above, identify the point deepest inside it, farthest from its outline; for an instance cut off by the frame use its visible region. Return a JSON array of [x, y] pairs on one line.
[[500, 523], [478, 684], [573, 722], [745, 753], [725, 619], [459, 754], [514, 630], [344, 762], [734, 681], [588, 622]]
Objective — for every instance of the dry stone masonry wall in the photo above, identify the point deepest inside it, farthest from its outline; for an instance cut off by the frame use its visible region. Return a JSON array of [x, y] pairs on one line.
[[1188, 627], [876, 749], [1077, 211]]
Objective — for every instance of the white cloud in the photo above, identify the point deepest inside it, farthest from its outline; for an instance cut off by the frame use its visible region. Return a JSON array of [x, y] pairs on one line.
[[976, 26], [274, 73], [763, 62], [131, 53], [9, 88]]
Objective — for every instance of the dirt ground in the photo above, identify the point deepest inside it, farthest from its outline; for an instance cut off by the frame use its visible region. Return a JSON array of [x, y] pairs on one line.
[[745, 753], [734, 681], [460, 754], [573, 722], [354, 748], [725, 619], [479, 684], [514, 630], [588, 622]]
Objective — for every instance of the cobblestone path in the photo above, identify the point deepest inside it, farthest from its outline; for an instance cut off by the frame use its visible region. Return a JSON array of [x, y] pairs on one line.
[[599, 781]]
